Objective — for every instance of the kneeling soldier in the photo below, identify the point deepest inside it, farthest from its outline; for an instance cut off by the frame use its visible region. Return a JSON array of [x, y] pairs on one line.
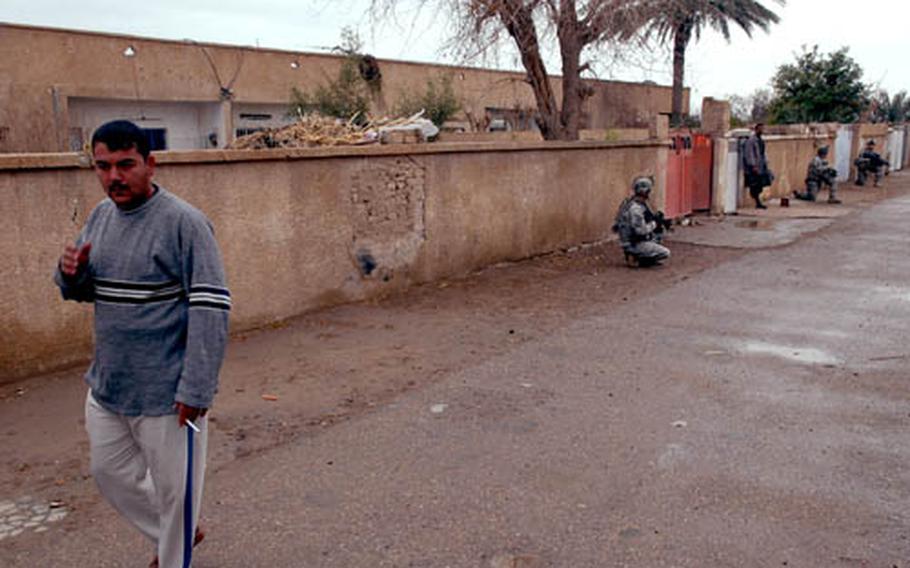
[[641, 230], [869, 162], [818, 175]]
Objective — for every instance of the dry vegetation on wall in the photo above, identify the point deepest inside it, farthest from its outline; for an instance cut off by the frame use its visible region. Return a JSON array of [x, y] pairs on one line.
[[312, 130]]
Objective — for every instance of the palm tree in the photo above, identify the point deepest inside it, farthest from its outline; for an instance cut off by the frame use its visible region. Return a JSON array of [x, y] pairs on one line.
[[679, 20]]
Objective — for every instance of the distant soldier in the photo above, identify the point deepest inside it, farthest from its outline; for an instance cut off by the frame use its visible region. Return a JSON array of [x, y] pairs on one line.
[[758, 175], [870, 162], [640, 230], [819, 174]]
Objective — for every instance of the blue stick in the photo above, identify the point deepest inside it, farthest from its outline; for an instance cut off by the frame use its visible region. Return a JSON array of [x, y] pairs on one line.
[[188, 503]]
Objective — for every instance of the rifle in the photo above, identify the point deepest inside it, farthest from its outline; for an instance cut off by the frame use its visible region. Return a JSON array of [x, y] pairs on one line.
[[822, 175], [663, 224], [870, 161]]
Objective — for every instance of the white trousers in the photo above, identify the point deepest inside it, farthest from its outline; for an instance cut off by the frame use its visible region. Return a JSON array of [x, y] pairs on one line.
[[139, 464]]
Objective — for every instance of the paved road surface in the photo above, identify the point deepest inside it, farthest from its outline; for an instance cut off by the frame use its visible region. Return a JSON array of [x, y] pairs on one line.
[[754, 415]]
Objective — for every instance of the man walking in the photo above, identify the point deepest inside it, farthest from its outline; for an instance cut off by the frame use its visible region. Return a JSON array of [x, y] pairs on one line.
[[757, 174], [150, 264]]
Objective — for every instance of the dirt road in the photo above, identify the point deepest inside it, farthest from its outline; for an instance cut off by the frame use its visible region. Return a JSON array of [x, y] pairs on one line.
[[349, 375], [334, 364]]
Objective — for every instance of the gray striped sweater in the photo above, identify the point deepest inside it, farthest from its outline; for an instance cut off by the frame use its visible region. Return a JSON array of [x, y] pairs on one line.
[[161, 305]]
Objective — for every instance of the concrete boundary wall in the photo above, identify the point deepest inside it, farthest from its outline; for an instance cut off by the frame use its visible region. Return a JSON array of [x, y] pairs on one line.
[[843, 148], [788, 158], [895, 152], [304, 229]]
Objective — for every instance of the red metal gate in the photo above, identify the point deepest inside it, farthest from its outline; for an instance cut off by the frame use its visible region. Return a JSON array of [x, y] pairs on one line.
[[702, 168], [678, 198], [689, 166]]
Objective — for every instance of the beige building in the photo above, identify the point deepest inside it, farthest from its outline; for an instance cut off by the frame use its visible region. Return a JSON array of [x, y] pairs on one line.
[[56, 86]]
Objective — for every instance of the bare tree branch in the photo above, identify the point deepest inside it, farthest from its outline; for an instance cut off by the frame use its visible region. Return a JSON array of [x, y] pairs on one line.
[[575, 25]]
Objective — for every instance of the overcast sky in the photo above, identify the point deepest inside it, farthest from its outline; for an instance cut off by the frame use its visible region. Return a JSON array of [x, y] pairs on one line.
[[876, 31]]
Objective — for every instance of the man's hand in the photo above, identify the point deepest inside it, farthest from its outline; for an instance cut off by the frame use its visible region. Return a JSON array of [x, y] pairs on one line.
[[190, 413], [74, 260]]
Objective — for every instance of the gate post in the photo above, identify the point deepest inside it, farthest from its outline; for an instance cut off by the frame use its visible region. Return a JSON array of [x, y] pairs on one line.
[[659, 129], [715, 116]]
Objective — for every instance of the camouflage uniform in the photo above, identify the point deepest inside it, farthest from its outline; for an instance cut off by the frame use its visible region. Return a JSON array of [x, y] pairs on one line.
[[637, 235], [868, 162], [819, 174]]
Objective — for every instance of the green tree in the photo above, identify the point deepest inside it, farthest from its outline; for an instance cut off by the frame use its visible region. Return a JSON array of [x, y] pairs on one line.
[[749, 109], [819, 88], [886, 108], [438, 101], [677, 22], [345, 96]]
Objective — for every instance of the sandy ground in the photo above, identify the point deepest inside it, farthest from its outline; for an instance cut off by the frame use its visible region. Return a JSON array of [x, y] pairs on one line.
[[329, 366]]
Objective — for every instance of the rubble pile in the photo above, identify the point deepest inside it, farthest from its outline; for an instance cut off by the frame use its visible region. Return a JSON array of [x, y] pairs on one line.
[[312, 130], [309, 130]]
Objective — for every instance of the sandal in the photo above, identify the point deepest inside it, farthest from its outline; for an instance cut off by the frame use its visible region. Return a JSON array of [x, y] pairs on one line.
[[199, 537]]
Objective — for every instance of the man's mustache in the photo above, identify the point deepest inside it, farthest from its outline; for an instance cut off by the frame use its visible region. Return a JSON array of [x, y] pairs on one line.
[[114, 186]]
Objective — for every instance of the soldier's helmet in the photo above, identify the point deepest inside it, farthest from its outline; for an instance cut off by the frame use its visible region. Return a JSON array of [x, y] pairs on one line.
[[642, 185], [823, 151]]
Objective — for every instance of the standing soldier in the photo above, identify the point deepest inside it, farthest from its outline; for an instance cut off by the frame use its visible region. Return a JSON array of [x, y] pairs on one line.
[[818, 175], [640, 230], [757, 174]]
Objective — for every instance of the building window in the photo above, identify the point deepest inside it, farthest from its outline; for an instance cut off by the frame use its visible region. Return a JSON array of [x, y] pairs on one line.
[[255, 116], [157, 138]]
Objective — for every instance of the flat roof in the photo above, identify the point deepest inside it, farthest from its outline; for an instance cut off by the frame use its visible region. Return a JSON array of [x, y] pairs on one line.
[[190, 41]]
